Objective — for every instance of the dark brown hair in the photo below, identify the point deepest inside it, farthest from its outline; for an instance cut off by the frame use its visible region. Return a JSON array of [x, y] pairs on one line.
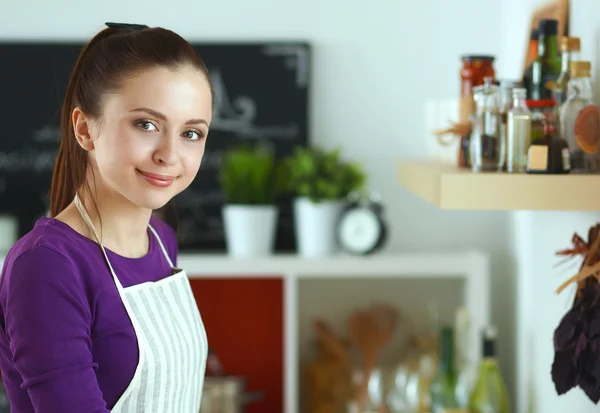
[[103, 65]]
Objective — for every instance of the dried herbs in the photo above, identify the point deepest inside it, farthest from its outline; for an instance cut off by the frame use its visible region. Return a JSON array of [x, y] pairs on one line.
[[577, 346], [577, 337]]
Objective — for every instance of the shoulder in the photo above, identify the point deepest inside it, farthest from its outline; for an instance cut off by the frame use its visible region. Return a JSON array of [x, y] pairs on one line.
[[47, 237], [53, 246], [47, 264], [167, 235]]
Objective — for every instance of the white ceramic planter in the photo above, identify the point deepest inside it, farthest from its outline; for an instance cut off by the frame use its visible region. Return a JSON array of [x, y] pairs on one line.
[[315, 226], [250, 229]]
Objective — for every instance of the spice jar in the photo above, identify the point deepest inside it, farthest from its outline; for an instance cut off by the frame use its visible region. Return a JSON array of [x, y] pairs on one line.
[[474, 70], [540, 110]]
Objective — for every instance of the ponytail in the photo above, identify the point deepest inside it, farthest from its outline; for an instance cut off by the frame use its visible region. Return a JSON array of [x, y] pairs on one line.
[[71, 162]]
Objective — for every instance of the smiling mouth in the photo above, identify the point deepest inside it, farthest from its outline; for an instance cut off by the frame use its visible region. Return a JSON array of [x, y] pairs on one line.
[[156, 179]]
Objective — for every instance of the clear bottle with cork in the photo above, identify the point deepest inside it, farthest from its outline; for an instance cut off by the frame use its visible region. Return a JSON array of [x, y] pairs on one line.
[[580, 120], [487, 145], [569, 48], [518, 133]]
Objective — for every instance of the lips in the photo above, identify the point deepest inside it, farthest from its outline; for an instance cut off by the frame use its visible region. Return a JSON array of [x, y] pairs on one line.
[[156, 179]]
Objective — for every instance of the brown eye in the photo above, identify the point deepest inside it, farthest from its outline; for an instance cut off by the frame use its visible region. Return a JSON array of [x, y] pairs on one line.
[[192, 135], [146, 125]]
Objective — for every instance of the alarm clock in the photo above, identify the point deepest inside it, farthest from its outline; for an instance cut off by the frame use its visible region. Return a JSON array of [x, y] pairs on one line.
[[361, 228]]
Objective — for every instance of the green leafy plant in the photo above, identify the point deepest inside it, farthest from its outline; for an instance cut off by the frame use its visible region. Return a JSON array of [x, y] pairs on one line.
[[250, 175], [322, 175]]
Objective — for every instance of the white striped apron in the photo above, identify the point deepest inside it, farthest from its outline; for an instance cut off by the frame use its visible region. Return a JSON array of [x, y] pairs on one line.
[[171, 340]]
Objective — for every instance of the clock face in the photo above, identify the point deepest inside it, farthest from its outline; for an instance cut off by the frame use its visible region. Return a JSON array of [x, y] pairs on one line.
[[360, 230]]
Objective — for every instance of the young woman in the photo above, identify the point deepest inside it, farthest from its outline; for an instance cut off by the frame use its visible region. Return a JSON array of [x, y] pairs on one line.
[[94, 315]]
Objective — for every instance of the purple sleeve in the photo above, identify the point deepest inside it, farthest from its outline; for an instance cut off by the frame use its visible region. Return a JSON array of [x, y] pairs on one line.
[[48, 323]]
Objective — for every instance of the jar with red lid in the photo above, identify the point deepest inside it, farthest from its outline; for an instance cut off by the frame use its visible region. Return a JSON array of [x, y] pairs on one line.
[[474, 69]]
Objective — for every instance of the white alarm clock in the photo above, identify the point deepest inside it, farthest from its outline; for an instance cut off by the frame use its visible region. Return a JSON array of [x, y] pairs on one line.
[[361, 228]]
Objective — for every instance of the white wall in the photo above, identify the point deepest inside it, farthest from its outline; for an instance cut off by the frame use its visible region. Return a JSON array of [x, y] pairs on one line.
[[538, 236], [540, 309], [374, 66]]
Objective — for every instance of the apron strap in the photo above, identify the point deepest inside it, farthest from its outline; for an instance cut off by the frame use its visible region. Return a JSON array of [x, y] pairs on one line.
[[90, 224], [162, 247]]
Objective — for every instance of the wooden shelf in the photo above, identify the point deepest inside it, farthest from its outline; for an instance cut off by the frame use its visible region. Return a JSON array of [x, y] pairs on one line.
[[452, 188]]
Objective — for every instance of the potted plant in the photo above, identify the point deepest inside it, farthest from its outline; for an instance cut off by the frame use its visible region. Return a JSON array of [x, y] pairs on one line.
[[251, 180], [320, 181]]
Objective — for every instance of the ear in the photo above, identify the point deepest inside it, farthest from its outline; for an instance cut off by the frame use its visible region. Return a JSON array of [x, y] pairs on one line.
[[82, 127]]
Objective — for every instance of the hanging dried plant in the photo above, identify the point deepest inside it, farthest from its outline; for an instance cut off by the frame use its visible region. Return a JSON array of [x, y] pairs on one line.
[[577, 337]]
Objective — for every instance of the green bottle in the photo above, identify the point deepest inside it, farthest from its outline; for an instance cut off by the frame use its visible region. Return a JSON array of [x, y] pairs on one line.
[[545, 69], [443, 387], [489, 394]]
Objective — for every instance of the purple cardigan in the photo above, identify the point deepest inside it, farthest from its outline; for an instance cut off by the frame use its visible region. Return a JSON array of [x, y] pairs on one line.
[[66, 342]]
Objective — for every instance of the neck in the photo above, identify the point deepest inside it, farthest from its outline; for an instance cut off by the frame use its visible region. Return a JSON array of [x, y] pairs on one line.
[[121, 226], [550, 47]]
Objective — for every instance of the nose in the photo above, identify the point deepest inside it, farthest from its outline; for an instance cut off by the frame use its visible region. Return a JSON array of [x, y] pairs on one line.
[[166, 153]]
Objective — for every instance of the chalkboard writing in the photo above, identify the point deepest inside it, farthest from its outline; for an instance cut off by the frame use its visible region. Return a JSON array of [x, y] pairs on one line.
[[261, 94]]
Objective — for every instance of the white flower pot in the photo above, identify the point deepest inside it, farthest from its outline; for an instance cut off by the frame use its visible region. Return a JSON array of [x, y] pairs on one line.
[[250, 229], [315, 226]]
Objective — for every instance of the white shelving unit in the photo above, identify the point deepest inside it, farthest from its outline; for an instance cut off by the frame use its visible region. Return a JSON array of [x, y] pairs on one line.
[[469, 267]]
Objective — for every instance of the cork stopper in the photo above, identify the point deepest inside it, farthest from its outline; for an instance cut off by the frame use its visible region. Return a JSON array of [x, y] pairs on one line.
[[580, 68], [570, 44]]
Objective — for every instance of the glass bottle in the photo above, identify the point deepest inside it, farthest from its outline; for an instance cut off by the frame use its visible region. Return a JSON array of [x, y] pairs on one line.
[[505, 103], [550, 154], [464, 359], [487, 146], [518, 133], [474, 69], [532, 53], [546, 67], [569, 48], [490, 394], [579, 120], [443, 387]]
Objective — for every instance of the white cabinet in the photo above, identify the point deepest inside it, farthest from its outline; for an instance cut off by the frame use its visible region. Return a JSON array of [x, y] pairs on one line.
[[331, 287]]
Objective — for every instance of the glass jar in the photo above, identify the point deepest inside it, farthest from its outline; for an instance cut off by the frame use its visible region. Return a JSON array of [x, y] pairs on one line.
[[487, 146], [473, 71], [540, 109]]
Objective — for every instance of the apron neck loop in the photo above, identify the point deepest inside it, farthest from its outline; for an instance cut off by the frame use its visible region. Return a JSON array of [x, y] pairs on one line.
[[86, 217]]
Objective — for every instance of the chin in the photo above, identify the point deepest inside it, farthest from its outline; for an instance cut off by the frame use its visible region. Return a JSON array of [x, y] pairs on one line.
[[153, 202]]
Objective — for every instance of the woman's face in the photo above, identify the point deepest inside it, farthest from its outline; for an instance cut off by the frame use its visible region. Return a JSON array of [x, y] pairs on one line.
[[149, 142]]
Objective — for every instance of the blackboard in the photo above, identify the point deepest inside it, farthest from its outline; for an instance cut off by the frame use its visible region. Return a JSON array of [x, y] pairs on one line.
[[261, 94]]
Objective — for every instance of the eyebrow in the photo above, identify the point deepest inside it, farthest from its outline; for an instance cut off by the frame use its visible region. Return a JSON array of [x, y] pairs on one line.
[[164, 118]]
